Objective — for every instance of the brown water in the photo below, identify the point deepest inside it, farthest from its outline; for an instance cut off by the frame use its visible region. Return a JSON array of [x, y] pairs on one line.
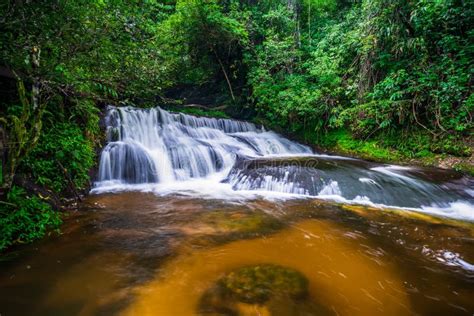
[[141, 254]]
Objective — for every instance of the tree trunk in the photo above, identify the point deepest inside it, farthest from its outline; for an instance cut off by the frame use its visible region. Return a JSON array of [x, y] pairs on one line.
[[225, 75]]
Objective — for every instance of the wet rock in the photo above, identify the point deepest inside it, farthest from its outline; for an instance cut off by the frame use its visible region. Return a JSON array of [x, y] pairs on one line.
[[241, 221], [257, 284], [254, 287], [224, 226]]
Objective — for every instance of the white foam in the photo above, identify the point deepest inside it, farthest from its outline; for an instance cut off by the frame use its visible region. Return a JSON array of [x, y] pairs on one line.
[[367, 180], [449, 258], [212, 188], [454, 259], [331, 189], [460, 210]]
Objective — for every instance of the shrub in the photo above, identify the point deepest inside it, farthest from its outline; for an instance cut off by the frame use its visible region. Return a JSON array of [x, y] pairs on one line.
[[63, 155], [25, 218]]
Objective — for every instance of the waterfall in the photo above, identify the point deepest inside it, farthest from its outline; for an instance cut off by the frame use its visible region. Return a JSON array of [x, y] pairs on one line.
[[156, 146], [174, 152]]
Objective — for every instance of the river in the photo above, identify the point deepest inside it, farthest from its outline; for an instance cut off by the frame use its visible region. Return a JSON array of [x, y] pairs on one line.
[[201, 216]]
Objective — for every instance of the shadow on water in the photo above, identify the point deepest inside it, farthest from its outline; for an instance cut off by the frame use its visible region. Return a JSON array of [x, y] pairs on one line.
[[141, 254]]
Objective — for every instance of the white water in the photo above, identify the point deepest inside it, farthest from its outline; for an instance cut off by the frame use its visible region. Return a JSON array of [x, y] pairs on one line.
[[166, 153]]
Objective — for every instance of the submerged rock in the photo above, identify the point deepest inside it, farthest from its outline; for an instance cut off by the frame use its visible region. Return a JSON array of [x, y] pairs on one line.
[[256, 289], [244, 222], [336, 267], [257, 284], [223, 226]]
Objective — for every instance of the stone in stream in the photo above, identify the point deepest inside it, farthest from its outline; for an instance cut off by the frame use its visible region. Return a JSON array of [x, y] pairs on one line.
[[227, 225], [263, 289], [241, 221], [257, 284]]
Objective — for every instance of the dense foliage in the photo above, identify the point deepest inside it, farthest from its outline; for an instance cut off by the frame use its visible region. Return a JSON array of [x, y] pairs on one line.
[[382, 78], [62, 145], [382, 69], [25, 218], [396, 72]]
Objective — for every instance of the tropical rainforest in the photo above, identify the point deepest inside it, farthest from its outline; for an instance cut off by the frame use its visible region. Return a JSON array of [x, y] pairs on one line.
[[383, 79]]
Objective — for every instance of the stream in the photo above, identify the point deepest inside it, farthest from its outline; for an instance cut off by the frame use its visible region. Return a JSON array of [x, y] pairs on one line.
[[202, 216]]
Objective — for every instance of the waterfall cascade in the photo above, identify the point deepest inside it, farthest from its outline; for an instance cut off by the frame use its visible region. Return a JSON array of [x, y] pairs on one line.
[[154, 147], [151, 146]]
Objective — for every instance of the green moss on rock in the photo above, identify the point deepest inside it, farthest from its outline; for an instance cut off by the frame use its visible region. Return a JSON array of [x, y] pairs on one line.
[[257, 284], [243, 222], [266, 287]]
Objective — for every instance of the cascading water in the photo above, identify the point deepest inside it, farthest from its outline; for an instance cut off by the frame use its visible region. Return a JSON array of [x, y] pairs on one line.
[[167, 152], [155, 146]]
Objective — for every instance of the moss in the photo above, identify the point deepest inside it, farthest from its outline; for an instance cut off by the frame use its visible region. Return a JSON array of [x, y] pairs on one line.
[[225, 226], [257, 284], [262, 287], [241, 221], [465, 167]]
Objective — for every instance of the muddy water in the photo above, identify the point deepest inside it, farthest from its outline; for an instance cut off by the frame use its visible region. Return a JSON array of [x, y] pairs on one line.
[[142, 254]]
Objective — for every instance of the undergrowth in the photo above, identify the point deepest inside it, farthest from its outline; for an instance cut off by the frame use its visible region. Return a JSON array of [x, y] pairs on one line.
[[25, 218]]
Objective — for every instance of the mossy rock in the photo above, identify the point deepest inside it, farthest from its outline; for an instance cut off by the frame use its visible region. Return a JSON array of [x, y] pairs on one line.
[[264, 289], [220, 227], [242, 221], [238, 222], [257, 284]]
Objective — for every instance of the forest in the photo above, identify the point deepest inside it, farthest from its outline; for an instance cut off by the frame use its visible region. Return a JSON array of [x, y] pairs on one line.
[[386, 80]]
